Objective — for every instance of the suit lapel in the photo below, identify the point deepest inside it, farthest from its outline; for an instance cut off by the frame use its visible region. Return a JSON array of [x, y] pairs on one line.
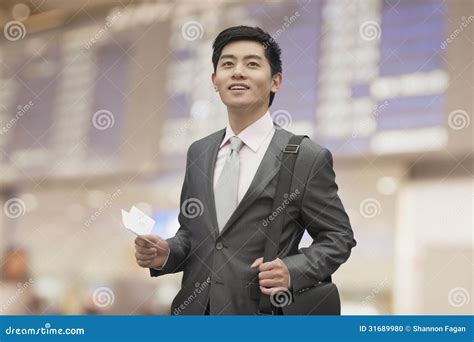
[[268, 168]]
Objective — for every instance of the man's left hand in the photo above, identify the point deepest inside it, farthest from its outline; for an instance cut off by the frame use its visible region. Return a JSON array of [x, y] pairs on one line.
[[273, 275]]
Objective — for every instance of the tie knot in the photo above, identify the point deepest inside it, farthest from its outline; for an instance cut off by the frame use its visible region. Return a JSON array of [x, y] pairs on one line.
[[235, 144]]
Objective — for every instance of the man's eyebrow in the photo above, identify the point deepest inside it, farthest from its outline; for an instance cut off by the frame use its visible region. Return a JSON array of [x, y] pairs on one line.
[[246, 57]]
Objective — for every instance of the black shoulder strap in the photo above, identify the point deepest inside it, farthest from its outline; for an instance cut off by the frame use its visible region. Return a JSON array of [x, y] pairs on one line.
[[285, 177]]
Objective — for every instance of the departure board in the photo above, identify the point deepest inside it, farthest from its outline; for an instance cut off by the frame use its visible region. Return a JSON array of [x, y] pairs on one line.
[[71, 105], [353, 71], [359, 77]]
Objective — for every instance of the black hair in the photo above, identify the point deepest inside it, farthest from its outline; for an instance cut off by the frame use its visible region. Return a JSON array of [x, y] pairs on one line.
[[236, 33]]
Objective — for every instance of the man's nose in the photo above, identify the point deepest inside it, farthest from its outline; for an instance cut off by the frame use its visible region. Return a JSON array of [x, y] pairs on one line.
[[238, 73]]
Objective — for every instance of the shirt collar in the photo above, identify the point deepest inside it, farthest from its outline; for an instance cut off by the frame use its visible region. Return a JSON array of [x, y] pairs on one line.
[[253, 135]]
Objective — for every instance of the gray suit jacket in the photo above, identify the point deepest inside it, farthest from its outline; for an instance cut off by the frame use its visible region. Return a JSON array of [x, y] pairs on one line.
[[216, 266]]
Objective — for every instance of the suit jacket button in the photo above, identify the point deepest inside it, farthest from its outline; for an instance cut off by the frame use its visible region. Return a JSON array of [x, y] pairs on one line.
[[219, 246]]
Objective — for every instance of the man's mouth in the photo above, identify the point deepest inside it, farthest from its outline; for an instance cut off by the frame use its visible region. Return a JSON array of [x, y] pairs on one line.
[[238, 87]]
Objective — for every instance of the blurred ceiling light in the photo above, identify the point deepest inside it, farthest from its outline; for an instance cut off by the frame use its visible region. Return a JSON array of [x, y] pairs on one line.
[[20, 12], [416, 84], [416, 140], [48, 288], [362, 105], [387, 185], [384, 88]]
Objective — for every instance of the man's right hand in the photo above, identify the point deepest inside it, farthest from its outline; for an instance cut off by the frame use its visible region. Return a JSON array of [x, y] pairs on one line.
[[148, 255]]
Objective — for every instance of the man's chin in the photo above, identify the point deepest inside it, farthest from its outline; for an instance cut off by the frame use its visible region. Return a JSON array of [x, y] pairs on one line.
[[240, 104]]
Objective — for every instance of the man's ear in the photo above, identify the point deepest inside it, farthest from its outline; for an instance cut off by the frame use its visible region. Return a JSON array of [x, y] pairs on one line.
[[276, 82], [213, 79]]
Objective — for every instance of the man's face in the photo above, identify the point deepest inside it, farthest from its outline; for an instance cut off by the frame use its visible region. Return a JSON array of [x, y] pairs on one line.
[[243, 76]]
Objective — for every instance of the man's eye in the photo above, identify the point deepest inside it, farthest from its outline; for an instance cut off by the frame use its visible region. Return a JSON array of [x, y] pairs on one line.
[[227, 64], [253, 64]]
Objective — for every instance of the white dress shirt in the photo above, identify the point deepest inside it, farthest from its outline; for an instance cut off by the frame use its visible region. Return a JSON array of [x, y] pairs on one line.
[[256, 138]]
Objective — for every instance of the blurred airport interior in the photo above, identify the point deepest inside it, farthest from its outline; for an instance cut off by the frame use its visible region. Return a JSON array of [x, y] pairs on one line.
[[100, 99]]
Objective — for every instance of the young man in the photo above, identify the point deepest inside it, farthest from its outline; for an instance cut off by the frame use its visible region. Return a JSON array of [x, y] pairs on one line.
[[233, 174]]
